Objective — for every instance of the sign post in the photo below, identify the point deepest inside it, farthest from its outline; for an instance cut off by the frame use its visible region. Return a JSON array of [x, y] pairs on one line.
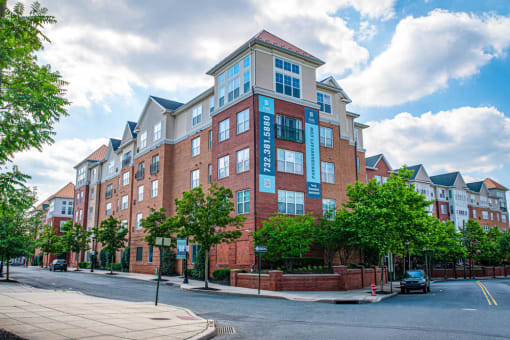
[[260, 250], [161, 241], [182, 254]]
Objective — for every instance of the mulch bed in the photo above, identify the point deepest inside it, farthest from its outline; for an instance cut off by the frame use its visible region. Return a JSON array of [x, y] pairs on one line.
[[4, 335]]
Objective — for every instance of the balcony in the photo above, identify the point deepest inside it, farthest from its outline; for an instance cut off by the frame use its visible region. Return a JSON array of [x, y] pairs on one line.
[[140, 174], [289, 133], [108, 194], [154, 168]]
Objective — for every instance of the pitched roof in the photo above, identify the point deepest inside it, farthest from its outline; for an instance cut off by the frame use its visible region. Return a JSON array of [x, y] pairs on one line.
[[166, 103], [492, 184], [371, 162], [115, 143], [475, 186], [447, 180], [66, 191], [415, 169], [132, 126], [98, 154], [276, 41]]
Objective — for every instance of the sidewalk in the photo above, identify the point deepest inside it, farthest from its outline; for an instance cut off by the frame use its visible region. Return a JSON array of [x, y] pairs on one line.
[[44, 314], [351, 296]]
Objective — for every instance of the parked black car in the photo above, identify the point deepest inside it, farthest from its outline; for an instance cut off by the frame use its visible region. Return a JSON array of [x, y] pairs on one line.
[[58, 264], [414, 280]]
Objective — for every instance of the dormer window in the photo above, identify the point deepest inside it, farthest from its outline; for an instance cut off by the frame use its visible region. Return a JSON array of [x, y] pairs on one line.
[[287, 79], [196, 115], [111, 167], [324, 101]]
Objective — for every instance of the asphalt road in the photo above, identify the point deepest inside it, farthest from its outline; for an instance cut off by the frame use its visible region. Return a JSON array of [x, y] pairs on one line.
[[453, 310]]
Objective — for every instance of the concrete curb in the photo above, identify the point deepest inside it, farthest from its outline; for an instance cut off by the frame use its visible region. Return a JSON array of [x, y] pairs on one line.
[[209, 333]]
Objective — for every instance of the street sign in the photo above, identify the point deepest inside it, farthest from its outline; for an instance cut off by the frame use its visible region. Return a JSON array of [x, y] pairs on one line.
[[260, 249], [181, 249]]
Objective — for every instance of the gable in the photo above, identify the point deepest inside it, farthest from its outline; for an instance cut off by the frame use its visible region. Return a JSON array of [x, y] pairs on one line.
[[422, 175]]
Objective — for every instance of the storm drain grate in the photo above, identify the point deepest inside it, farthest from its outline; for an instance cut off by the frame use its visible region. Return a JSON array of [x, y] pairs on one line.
[[225, 330]]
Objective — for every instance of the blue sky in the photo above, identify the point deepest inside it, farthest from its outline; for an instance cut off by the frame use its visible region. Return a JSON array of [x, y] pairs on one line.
[[429, 77]]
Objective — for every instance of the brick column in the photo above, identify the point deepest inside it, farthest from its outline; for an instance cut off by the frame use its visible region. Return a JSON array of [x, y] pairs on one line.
[[342, 271], [275, 280], [233, 276]]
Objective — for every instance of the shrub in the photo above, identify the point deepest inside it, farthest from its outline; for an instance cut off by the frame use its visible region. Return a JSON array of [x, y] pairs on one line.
[[82, 264], [117, 266], [124, 261], [102, 258], [199, 267], [221, 274], [190, 272], [88, 265], [168, 263]]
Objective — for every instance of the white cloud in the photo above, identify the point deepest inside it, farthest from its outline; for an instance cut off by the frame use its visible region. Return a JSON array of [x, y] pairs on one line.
[[52, 168], [425, 53], [366, 31], [475, 141]]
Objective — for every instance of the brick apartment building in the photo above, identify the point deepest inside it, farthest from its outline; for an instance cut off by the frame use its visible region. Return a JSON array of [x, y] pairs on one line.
[[378, 167], [267, 129]]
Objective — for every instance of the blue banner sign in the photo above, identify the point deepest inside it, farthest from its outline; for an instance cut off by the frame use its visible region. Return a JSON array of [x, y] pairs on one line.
[[267, 156], [313, 166], [181, 249]]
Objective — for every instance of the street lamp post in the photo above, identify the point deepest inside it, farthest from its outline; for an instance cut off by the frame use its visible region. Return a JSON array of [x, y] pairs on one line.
[[94, 246], [426, 264], [186, 263]]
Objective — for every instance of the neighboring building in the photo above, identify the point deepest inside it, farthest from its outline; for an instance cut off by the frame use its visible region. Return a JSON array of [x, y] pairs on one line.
[[488, 205], [423, 185], [378, 167], [279, 139]]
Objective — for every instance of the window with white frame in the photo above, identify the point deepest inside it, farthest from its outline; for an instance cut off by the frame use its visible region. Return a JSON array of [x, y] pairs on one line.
[[64, 205], [324, 101], [224, 130], [233, 89], [503, 218], [221, 78], [61, 225], [328, 172], [196, 115], [123, 224], [287, 78], [211, 105], [91, 212], [111, 167], [243, 121], [233, 71], [93, 174], [209, 174], [291, 202], [124, 202], [156, 132], [290, 161], [492, 216], [108, 210], [485, 215], [143, 140], [243, 160], [486, 228], [328, 207], [497, 217], [81, 175], [221, 96], [195, 146], [70, 208], [195, 178], [139, 221], [246, 81], [326, 136], [140, 193], [81, 215], [243, 201], [210, 139], [223, 166], [443, 209], [246, 62], [125, 178], [81, 196], [474, 213], [154, 188], [77, 215], [91, 193]]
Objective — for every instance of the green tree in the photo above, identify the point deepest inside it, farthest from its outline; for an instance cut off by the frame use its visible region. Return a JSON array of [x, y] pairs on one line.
[[12, 239], [112, 235], [208, 220], [124, 261], [504, 248], [474, 239], [75, 239], [49, 242], [286, 237]]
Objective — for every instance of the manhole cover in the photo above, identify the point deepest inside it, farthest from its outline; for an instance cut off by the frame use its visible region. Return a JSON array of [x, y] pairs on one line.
[[225, 330], [160, 319]]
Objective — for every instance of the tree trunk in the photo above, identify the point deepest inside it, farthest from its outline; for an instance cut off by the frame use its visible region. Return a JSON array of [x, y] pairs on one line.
[[206, 271], [1, 266], [111, 264], [7, 278], [47, 259], [382, 273]]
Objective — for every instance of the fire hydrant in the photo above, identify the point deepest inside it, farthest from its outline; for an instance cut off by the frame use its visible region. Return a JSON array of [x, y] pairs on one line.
[[374, 287]]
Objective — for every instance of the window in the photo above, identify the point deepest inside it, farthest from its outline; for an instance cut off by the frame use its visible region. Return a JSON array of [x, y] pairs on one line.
[[124, 203], [91, 212], [328, 207], [324, 101], [243, 122], [195, 178], [243, 202], [221, 96], [93, 174], [326, 137], [209, 175], [140, 173], [70, 209], [81, 196], [246, 81], [63, 211], [138, 221], [196, 115], [486, 228], [195, 146], [474, 213], [291, 202], [81, 176], [210, 139], [328, 172], [125, 178], [224, 130], [233, 89], [287, 79], [223, 167], [485, 215], [154, 188], [140, 193], [443, 209], [243, 160], [211, 105], [61, 225], [108, 209], [123, 225], [139, 253], [246, 62], [151, 253], [290, 161], [503, 218], [143, 140], [155, 164], [234, 70], [221, 79], [126, 159], [497, 217], [76, 216], [91, 193], [194, 252], [289, 128], [492, 217], [81, 215], [156, 132]]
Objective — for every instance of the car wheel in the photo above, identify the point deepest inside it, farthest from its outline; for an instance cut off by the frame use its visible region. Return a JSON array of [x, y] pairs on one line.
[[425, 290], [402, 290]]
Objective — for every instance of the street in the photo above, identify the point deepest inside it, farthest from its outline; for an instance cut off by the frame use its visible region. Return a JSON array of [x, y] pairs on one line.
[[463, 309]]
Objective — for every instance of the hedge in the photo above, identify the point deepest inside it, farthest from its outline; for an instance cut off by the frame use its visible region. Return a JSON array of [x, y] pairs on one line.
[[82, 264], [221, 274]]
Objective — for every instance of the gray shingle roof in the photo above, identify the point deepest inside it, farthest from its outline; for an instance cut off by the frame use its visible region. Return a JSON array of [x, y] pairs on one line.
[[447, 180], [475, 186], [166, 103], [414, 169], [370, 162]]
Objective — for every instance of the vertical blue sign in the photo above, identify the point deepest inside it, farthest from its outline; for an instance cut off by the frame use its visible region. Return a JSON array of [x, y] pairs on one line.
[[313, 167], [266, 145]]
